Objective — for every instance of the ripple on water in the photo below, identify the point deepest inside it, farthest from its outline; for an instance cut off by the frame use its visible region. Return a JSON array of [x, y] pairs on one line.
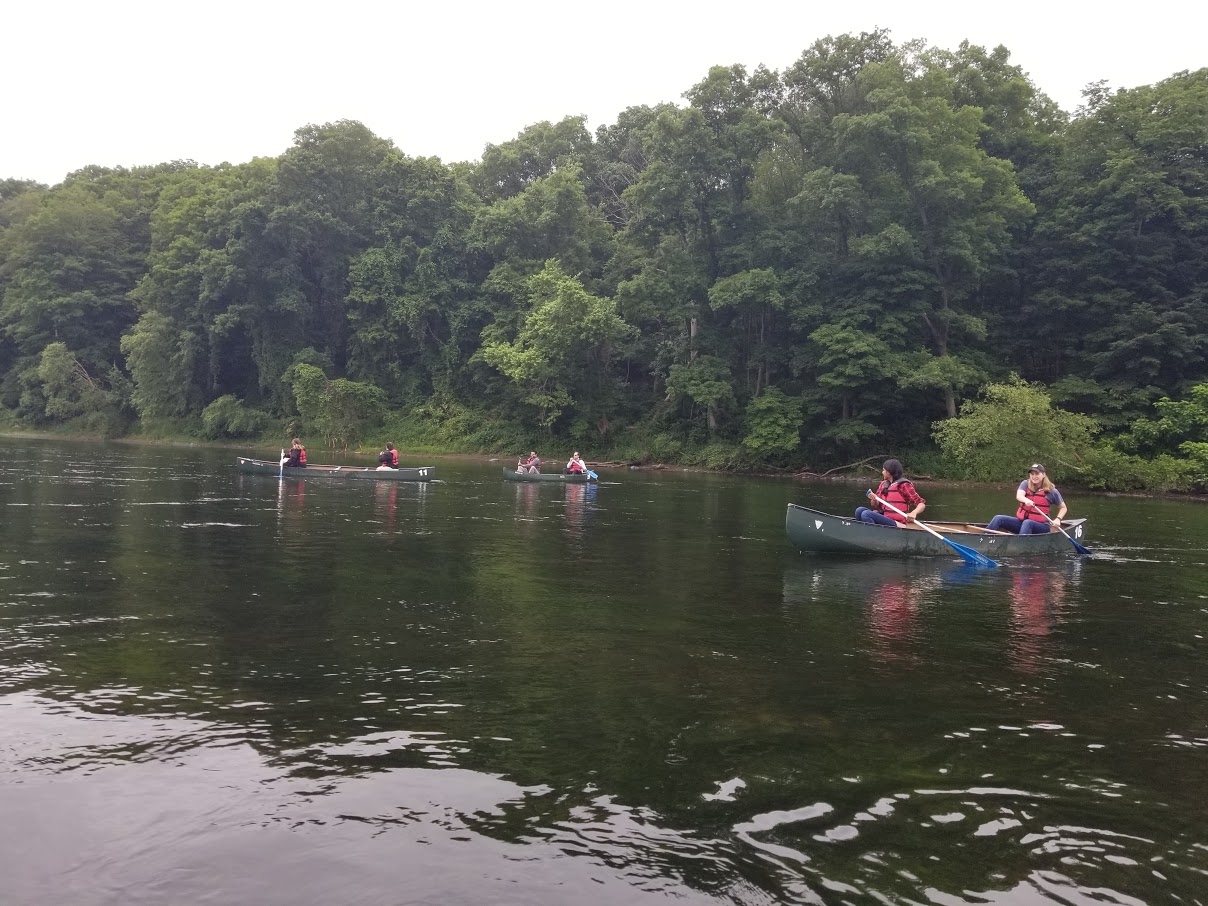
[[1018, 831], [151, 798]]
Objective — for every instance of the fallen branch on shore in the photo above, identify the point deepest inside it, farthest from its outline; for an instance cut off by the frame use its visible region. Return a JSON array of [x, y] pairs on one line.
[[851, 465]]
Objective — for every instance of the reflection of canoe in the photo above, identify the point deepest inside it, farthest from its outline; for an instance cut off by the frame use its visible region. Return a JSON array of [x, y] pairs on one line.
[[559, 478], [263, 467], [829, 578], [811, 530]]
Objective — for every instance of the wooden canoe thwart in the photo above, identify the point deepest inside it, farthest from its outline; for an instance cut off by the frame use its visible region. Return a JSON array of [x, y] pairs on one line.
[[264, 467], [553, 477], [817, 532]]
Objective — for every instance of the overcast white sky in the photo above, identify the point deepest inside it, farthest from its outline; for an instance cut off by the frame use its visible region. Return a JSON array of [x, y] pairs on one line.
[[129, 82]]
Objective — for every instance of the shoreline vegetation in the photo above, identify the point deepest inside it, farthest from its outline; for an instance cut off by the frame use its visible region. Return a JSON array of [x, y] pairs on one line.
[[848, 474], [884, 247]]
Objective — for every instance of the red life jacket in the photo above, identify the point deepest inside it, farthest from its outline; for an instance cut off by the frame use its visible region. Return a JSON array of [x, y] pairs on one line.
[[302, 455], [891, 492], [394, 458], [1041, 499], [575, 468]]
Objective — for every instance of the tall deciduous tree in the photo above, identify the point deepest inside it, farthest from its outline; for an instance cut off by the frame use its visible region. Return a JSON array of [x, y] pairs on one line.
[[1122, 252], [922, 158], [562, 353]]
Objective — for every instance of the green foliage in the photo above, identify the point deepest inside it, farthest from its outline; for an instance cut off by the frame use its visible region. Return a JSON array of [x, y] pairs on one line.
[[161, 362], [1117, 255], [773, 424], [641, 444], [874, 232], [562, 350], [68, 393], [1197, 464], [229, 417], [339, 410], [1108, 469], [705, 381], [1180, 428], [443, 425], [1179, 422], [1014, 424], [718, 455]]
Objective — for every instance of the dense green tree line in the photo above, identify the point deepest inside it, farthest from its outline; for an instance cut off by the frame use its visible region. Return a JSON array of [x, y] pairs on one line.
[[797, 267]]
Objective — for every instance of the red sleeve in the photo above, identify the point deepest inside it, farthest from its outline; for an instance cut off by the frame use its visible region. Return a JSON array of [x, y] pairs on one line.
[[911, 494]]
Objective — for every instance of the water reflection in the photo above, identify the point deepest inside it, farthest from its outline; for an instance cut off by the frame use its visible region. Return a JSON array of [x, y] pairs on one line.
[[196, 792], [580, 503], [891, 595], [290, 497], [528, 496], [892, 613], [691, 712], [386, 506], [1038, 594]]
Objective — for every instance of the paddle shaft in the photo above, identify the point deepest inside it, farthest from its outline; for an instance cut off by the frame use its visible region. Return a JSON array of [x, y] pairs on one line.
[[968, 554], [922, 525], [1057, 525]]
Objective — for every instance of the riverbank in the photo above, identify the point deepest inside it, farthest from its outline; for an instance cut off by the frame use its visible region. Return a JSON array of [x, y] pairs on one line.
[[859, 473]]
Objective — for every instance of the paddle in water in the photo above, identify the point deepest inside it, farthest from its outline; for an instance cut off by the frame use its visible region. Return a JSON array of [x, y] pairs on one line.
[[1078, 547], [968, 554]]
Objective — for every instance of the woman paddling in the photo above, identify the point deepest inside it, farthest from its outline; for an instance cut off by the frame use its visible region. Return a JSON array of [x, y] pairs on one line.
[[1037, 501], [295, 456], [894, 488]]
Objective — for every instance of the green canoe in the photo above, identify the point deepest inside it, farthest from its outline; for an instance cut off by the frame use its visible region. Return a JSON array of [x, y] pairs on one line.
[[817, 532], [264, 467], [555, 477]]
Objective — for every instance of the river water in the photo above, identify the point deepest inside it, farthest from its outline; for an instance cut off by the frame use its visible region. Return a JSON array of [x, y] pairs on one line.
[[218, 688]]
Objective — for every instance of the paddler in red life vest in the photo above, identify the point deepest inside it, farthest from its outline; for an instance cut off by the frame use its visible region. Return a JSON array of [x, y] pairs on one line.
[[296, 457], [894, 488], [531, 465], [576, 466], [388, 458], [1039, 502]]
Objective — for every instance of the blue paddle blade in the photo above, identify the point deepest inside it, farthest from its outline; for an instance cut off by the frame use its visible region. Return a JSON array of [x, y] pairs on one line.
[[1078, 547], [592, 475], [968, 554]]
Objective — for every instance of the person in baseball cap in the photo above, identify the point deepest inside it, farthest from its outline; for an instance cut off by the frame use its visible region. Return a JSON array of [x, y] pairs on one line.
[[1041, 506]]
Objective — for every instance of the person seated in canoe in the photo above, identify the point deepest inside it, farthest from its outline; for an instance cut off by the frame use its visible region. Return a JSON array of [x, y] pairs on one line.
[[296, 457], [1038, 501], [531, 465], [388, 458], [894, 488], [576, 466]]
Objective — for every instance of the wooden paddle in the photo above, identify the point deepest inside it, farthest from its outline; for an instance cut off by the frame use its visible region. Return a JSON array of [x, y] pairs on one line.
[[968, 554]]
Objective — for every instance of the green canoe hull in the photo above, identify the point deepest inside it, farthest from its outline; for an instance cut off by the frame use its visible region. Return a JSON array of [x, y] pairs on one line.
[[817, 532], [551, 477], [263, 467]]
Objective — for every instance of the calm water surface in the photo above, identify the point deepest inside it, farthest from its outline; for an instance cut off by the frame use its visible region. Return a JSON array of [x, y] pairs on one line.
[[218, 688]]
